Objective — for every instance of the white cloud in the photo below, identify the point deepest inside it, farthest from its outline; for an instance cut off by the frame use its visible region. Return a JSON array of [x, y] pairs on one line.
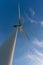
[[32, 12], [36, 58], [38, 42], [38, 53], [30, 56], [30, 19], [41, 23]]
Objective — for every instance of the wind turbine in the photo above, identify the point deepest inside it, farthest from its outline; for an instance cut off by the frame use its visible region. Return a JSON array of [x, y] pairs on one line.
[[19, 26], [7, 49]]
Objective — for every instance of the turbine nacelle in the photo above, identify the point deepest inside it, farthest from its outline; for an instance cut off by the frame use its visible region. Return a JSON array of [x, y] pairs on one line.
[[17, 26]]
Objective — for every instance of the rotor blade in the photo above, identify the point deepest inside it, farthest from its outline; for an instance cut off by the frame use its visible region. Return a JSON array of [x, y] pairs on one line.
[[19, 11], [19, 14], [22, 30], [26, 35]]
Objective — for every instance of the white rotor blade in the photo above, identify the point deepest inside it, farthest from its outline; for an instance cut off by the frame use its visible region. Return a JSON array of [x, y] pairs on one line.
[[19, 11], [22, 30]]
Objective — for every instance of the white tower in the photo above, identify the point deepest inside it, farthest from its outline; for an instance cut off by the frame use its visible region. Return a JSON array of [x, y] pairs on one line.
[[7, 50]]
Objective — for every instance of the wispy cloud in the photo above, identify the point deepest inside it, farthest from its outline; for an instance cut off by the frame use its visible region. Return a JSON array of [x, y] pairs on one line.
[[38, 53], [32, 12], [41, 23], [30, 19], [38, 42], [36, 57]]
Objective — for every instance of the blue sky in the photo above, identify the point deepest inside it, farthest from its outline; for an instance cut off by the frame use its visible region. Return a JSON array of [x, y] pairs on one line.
[[27, 52]]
